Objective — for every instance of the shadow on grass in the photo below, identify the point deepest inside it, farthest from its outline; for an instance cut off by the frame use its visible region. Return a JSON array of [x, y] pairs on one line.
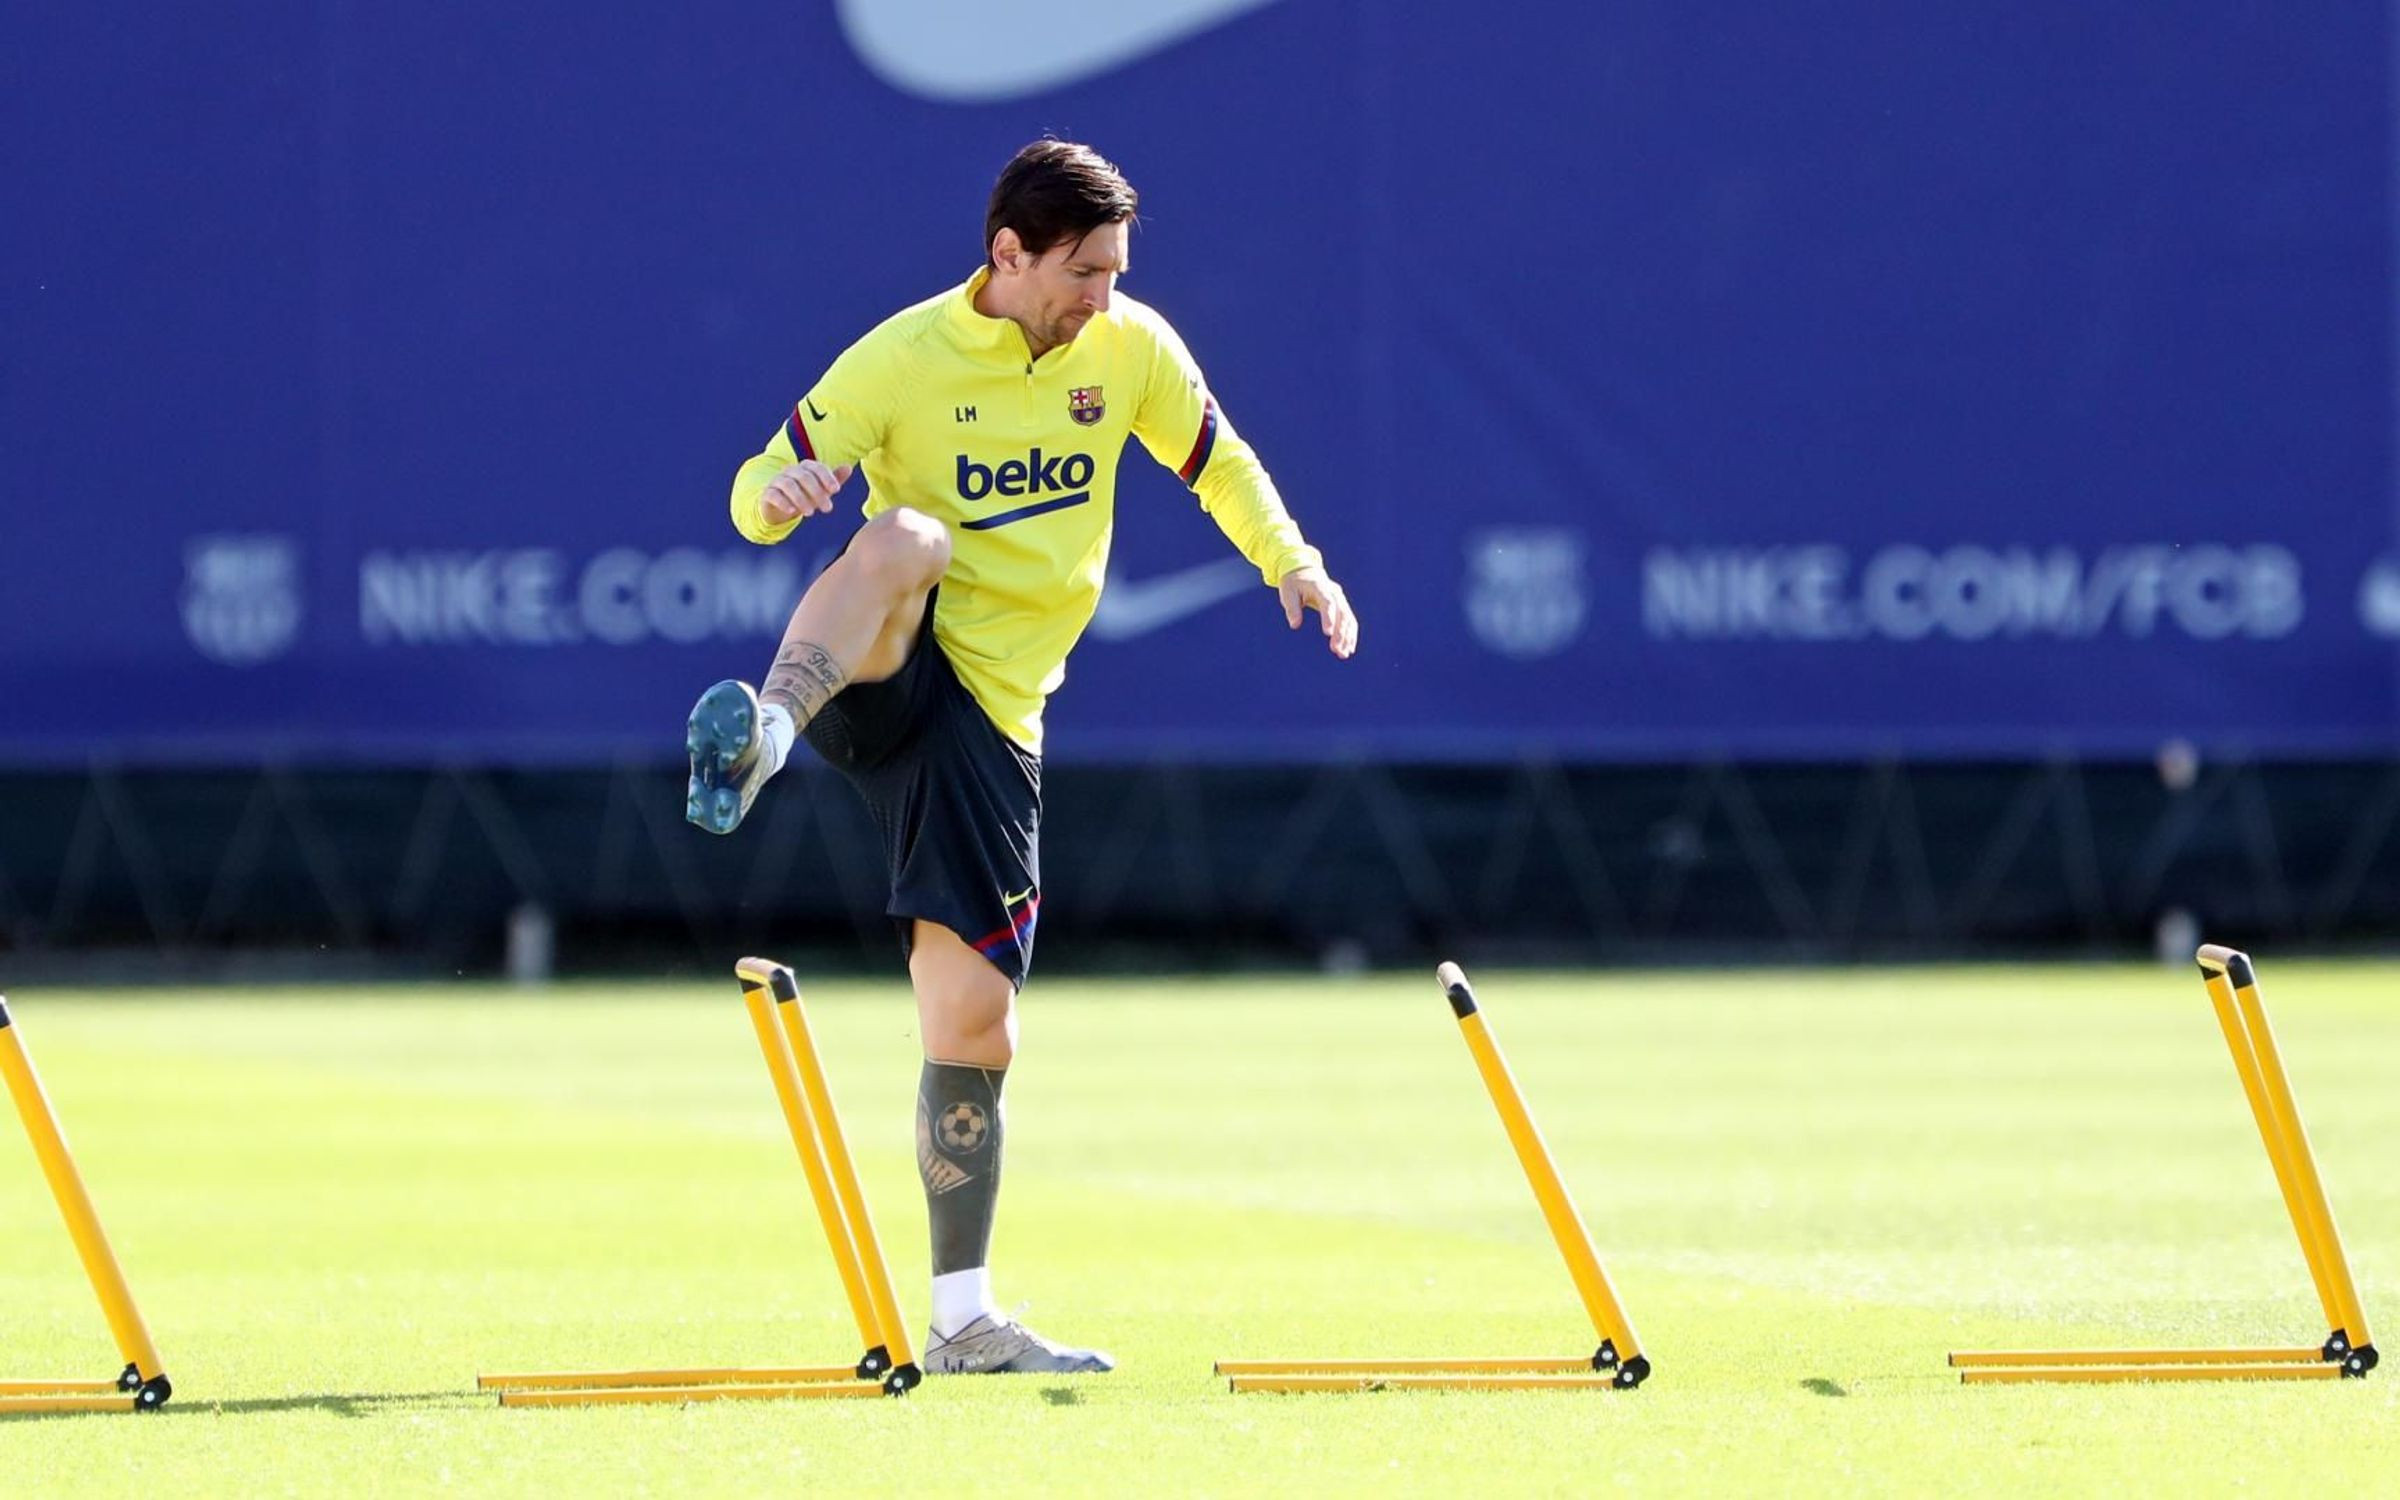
[[1823, 1387], [1062, 1395]]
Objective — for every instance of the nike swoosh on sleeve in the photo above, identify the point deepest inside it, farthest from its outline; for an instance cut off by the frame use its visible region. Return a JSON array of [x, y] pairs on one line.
[[1130, 608], [954, 52]]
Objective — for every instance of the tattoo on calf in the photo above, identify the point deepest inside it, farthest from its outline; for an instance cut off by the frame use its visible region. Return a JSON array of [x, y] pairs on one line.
[[804, 679]]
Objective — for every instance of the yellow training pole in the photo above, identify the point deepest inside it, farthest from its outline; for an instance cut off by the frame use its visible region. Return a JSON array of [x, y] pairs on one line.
[[63, 1388], [2304, 1162], [1558, 1209], [2148, 1374], [2023, 1358], [828, 1121], [1583, 1382], [684, 1395], [1531, 1364], [757, 978], [2272, 1130], [146, 1380], [887, 1368], [50, 1405], [601, 1380]]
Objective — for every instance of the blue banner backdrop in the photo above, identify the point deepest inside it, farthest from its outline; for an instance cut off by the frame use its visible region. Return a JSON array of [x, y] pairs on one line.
[[1981, 379]]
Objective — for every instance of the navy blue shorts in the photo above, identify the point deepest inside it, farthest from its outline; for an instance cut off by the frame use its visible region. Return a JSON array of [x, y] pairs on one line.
[[959, 803]]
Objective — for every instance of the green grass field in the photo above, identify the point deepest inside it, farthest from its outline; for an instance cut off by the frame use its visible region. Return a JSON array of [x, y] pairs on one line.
[[336, 1207]]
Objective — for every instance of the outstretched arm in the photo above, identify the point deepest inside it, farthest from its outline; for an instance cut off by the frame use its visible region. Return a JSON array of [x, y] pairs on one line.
[[1180, 423]]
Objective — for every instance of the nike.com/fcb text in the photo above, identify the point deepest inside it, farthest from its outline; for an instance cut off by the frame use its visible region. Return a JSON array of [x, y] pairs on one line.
[[2206, 591]]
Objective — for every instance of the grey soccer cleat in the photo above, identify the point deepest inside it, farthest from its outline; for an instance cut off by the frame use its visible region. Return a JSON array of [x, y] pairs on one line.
[[727, 768], [993, 1345]]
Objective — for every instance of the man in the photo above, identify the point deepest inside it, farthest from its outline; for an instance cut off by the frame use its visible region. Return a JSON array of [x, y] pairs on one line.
[[989, 420]]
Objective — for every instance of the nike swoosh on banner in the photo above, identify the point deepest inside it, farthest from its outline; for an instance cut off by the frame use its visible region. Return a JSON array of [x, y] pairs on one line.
[[2379, 598], [1130, 608], [953, 51]]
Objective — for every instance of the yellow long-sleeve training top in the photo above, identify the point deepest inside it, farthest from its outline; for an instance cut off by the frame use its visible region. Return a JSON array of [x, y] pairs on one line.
[[948, 412]]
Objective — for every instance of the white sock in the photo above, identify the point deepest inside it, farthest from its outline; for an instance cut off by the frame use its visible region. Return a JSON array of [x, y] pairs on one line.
[[776, 733], [960, 1297]]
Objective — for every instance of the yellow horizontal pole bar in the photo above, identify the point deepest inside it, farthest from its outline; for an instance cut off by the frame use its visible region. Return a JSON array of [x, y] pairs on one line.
[[61, 1388], [36, 1404], [1525, 1364], [2007, 1357], [582, 1380], [665, 1395], [1588, 1382], [2123, 1374]]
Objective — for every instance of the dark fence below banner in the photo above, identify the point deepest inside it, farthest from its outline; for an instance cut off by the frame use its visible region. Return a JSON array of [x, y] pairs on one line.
[[472, 870]]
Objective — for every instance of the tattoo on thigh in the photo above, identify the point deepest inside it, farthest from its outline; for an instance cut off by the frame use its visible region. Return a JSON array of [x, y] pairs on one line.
[[804, 679]]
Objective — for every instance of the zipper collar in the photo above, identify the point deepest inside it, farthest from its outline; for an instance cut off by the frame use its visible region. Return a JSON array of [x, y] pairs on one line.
[[976, 333]]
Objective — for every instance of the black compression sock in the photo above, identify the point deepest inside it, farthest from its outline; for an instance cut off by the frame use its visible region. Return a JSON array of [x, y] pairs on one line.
[[958, 1156]]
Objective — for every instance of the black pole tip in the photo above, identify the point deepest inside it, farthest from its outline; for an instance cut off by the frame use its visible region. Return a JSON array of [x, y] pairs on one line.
[[2233, 963], [766, 974], [1453, 981]]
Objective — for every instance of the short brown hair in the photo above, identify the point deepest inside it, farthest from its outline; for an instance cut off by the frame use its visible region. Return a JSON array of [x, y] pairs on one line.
[[1054, 191]]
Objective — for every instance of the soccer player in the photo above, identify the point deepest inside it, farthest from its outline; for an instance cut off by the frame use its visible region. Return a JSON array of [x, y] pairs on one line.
[[989, 421]]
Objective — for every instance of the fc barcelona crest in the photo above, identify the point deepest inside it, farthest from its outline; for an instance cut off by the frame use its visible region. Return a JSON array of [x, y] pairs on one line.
[[1085, 406]]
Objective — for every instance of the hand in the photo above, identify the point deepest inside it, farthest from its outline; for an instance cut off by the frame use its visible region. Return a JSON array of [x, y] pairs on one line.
[[1309, 588], [804, 489]]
